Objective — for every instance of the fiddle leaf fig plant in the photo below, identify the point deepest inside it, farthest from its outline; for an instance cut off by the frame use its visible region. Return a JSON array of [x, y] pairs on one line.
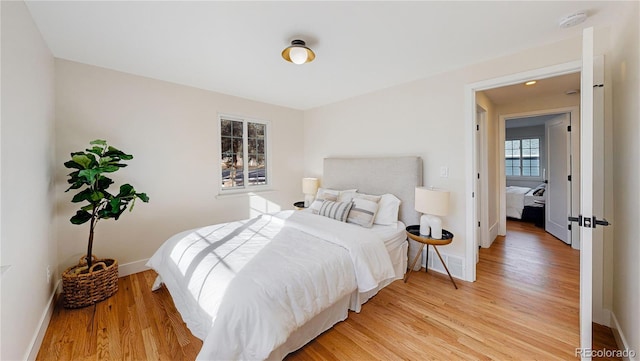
[[89, 176]]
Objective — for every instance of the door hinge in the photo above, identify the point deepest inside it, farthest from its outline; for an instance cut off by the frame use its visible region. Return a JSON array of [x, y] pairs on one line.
[[473, 194], [568, 128], [569, 177], [477, 126], [569, 226], [478, 224], [478, 175]]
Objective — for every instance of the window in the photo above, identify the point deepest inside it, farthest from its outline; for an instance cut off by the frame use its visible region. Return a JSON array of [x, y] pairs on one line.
[[522, 157], [243, 145]]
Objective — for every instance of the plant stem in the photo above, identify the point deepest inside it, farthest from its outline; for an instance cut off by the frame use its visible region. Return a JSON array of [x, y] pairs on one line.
[[90, 247]]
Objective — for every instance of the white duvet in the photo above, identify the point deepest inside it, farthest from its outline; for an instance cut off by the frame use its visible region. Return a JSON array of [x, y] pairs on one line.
[[244, 287], [515, 201]]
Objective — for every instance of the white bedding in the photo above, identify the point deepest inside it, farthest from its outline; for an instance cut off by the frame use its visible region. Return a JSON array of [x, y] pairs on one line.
[[244, 287], [519, 197], [515, 201]]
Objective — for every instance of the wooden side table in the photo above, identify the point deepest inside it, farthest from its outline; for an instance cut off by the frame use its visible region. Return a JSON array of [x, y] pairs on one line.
[[413, 232]]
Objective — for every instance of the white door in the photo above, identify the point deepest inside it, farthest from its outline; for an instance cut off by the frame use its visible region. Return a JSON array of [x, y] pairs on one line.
[[591, 184], [558, 191]]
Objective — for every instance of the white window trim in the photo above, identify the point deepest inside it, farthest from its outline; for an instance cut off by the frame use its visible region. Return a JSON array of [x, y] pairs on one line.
[[540, 157], [246, 188]]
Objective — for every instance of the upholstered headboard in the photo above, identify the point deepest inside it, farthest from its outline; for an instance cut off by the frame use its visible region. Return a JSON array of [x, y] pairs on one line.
[[396, 175]]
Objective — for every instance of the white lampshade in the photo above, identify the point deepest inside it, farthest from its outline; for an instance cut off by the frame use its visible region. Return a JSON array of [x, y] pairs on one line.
[[309, 185], [432, 201]]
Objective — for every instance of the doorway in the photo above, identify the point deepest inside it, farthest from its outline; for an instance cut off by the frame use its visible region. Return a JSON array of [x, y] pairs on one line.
[[542, 176]]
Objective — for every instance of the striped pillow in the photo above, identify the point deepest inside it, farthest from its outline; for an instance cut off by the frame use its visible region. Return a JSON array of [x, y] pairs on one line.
[[335, 210], [317, 203], [364, 210]]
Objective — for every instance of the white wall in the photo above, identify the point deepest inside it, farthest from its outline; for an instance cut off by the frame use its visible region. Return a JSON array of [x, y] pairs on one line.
[[626, 177], [424, 118], [172, 132], [27, 241]]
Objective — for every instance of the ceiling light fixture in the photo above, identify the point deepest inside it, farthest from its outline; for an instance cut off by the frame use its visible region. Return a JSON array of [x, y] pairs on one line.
[[573, 19], [531, 82], [298, 53]]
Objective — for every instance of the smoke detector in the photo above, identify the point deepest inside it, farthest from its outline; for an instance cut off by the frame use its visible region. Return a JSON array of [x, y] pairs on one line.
[[573, 19]]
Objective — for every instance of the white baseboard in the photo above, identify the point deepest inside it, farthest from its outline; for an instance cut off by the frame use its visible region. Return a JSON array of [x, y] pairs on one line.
[[132, 267], [621, 340], [36, 341]]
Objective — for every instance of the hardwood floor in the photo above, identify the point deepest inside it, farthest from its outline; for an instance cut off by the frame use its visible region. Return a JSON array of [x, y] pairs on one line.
[[524, 305]]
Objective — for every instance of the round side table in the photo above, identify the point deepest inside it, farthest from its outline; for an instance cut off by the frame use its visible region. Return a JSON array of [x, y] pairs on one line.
[[413, 232]]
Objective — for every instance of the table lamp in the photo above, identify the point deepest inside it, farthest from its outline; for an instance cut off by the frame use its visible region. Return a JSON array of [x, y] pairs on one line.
[[432, 203], [309, 188]]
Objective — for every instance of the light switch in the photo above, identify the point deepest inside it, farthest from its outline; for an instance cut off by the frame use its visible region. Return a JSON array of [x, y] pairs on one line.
[[444, 172]]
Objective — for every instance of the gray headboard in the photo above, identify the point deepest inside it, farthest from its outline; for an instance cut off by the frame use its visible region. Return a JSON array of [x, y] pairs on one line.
[[396, 175]]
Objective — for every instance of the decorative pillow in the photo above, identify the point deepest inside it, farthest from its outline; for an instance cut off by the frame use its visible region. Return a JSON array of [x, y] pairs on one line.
[[335, 210], [317, 203], [330, 195], [388, 209], [364, 210]]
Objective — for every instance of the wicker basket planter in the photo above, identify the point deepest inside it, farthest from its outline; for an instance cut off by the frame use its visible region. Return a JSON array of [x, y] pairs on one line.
[[84, 288]]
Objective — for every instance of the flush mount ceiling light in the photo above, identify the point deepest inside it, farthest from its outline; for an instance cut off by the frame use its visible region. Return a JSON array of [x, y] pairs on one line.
[[298, 53], [573, 19]]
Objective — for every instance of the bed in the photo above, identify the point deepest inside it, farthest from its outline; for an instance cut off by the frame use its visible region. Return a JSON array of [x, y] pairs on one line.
[[261, 288], [524, 201]]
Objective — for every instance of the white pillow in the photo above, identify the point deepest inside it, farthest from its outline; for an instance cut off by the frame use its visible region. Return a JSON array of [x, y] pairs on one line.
[[388, 209], [331, 195]]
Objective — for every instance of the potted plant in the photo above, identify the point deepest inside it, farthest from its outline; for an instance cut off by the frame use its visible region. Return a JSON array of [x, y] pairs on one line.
[[94, 280]]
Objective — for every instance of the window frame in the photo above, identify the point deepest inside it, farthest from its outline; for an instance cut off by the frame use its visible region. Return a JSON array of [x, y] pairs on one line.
[[246, 188], [539, 177]]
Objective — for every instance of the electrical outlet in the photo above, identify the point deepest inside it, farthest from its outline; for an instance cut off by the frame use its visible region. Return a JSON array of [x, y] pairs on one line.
[[48, 274], [444, 172]]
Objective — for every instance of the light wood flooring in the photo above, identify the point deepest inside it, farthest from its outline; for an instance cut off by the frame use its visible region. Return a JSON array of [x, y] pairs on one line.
[[523, 306]]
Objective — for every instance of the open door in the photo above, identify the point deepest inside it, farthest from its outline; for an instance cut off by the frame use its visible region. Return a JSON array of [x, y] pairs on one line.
[[558, 193], [591, 184]]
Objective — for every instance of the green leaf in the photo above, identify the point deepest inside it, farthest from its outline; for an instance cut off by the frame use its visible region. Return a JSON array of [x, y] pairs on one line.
[[126, 189], [115, 152], [96, 150], [108, 168], [143, 197], [80, 217], [104, 182], [106, 160], [72, 164], [82, 196], [98, 141], [82, 160], [89, 175], [96, 196]]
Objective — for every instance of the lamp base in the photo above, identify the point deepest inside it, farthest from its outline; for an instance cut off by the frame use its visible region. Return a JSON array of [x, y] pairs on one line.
[[308, 198], [436, 226], [425, 230]]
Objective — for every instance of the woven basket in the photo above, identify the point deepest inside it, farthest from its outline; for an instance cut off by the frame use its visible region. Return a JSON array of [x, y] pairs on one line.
[[85, 289]]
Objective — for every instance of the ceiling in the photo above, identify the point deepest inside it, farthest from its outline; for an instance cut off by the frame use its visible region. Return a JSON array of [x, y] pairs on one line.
[[555, 86], [233, 47]]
